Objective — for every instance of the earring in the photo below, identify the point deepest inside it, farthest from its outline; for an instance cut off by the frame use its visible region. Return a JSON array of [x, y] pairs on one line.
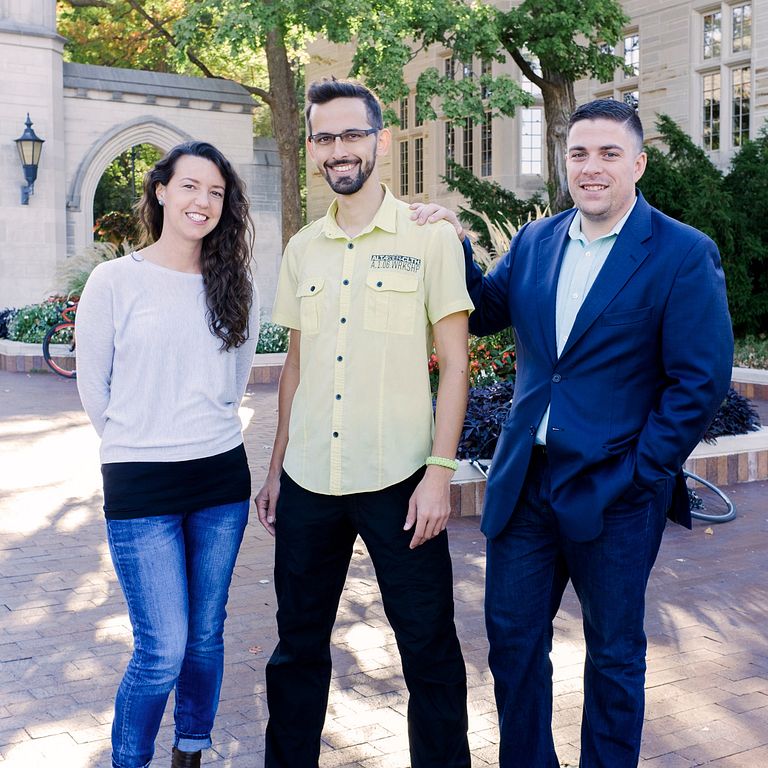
[[160, 201]]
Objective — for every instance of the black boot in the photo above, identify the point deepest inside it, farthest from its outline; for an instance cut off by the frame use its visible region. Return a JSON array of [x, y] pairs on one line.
[[185, 759]]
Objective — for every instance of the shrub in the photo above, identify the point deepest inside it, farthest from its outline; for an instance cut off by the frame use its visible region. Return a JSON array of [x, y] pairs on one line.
[[76, 270], [491, 359], [684, 183], [747, 183], [272, 338], [31, 323], [502, 207], [736, 416], [6, 315], [116, 226], [488, 408], [751, 351]]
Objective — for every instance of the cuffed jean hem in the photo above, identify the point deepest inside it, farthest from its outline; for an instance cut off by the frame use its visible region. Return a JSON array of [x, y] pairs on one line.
[[191, 743], [117, 765]]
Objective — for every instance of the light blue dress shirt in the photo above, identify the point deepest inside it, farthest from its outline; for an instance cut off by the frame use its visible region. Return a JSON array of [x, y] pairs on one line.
[[581, 265]]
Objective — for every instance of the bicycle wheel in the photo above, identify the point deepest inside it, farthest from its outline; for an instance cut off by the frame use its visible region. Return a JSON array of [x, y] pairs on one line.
[[61, 335], [708, 502]]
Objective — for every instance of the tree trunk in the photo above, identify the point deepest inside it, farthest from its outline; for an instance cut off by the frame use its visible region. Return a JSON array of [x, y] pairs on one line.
[[559, 102], [285, 126]]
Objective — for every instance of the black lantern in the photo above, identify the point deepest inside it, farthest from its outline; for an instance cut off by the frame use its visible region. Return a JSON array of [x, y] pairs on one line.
[[30, 145]]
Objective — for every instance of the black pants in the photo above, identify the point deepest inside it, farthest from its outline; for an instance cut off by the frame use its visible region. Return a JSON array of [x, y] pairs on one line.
[[315, 534]]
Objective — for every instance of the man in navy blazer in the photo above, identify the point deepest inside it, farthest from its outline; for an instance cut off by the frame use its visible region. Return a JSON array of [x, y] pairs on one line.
[[624, 353]]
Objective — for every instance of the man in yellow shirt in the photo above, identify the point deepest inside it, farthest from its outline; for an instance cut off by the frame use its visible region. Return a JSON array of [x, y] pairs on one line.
[[365, 292]]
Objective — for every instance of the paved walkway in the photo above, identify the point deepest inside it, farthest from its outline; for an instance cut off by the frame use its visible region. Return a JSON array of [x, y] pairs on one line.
[[64, 632]]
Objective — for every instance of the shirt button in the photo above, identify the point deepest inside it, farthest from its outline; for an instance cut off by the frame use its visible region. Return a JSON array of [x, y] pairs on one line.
[[345, 282], [379, 284], [338, 397], [588, 253], [350, 245], [335, 434], [339, 359], [574, 295], [556, 378], [343, 319]]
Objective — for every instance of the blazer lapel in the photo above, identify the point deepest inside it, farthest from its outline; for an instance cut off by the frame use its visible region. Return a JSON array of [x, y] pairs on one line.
[[627, 254], [549, 259]]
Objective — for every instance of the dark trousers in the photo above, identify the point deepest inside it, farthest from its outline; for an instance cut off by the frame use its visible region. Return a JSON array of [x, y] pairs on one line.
[[528, 567], [314, 537]]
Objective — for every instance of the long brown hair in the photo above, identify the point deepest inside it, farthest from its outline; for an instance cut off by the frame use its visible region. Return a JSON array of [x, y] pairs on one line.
[[225, 261]]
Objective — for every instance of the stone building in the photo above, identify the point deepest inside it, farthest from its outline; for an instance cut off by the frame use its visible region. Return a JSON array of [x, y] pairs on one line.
[[702, 62], [88, 115]]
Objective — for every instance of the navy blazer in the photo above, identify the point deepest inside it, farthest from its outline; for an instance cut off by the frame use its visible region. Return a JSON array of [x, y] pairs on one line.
[[645, 368]]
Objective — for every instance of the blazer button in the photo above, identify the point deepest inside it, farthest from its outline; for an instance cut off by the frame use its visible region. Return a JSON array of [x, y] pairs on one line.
[[556, 378]]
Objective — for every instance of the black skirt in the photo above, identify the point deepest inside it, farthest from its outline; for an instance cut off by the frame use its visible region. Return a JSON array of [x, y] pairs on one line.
[[149, 488]]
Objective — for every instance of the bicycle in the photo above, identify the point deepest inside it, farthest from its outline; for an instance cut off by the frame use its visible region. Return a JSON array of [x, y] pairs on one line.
[[707, 501], [62, 334]]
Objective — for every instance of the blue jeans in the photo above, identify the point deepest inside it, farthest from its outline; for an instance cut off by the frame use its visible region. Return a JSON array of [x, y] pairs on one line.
[[528, 567], [175, 572]]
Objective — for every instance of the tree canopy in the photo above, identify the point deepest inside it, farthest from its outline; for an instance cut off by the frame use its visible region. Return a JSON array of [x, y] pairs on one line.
[[683, 182], [553, 42], [262, 45]]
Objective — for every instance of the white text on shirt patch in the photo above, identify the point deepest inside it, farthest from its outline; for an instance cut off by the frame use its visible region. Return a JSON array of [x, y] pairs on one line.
[[395, 261]]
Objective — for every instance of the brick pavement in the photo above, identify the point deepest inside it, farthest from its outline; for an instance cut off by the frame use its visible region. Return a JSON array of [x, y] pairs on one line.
[[64, 632]]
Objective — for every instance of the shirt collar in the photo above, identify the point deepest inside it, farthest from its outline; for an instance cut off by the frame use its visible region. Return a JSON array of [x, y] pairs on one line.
[[575, 233], [385, 218]]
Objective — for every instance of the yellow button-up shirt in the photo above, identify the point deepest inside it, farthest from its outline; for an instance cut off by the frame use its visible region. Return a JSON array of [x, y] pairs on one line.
[[361, 418]]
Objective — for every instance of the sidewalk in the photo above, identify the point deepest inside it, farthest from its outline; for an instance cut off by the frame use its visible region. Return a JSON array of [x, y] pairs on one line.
[[65, 636]]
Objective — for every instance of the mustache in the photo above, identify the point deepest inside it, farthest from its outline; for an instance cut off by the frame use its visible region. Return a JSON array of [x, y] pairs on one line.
[[335, 163]]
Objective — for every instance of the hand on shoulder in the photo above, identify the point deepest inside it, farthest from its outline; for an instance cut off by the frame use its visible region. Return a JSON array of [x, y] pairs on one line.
[[423, 213]]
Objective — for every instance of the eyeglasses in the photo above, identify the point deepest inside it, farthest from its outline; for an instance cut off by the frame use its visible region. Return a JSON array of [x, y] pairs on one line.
[[351, 136]]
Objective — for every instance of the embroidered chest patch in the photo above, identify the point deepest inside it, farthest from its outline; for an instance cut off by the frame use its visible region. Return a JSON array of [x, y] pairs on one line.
[[395, 261]]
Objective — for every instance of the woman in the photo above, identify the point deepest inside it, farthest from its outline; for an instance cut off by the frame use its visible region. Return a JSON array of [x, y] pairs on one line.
[[165, 342]]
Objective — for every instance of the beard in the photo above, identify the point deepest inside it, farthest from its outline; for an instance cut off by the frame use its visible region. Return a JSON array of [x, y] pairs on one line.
[[348, 185]]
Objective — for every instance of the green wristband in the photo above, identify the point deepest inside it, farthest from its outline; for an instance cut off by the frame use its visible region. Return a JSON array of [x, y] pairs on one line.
[[440, 461]]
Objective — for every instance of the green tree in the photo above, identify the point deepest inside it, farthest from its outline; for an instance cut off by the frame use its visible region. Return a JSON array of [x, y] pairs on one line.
[[111, 34], [684, 183], [119, 188], [121, 183], [140, 35], [502, 207], [747, 183], [570, 39]]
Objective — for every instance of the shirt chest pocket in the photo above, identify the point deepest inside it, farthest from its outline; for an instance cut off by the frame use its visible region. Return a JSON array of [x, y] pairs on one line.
[[310, 295], [391, 301]]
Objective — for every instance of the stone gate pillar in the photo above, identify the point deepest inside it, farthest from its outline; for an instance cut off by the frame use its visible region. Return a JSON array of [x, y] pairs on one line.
[[32, 237]]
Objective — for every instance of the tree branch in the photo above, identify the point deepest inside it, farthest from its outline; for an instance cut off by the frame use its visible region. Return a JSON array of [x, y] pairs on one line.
[[525, 66], [153, 22], [88, 3], [260, 93]]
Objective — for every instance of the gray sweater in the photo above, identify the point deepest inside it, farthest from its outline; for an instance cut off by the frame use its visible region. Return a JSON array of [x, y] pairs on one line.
[[151, 375]]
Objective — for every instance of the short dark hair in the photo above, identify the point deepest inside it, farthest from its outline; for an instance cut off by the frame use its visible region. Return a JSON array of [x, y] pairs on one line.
[[329, 88], [609, 109]]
